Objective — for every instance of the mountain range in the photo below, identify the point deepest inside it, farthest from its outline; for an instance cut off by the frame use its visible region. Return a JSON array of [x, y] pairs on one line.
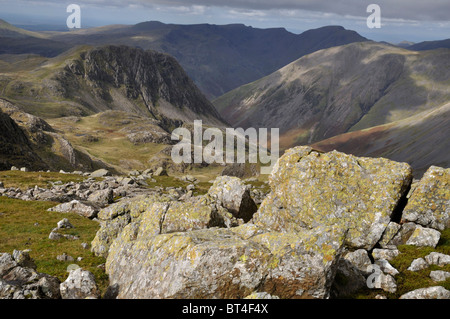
[[121, 89], [218, 58], [351, 88]]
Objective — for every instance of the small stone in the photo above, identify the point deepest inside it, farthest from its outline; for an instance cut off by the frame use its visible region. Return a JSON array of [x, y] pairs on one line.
[[422, 237], [436, 292], [160, 172], [100, 173], [55, 236], [13, 168], [85, 245], [24, 169], [438, 259], [64, 223], [418, 264], [439, 275], [386, 254], [386, 267], [80, 284], [65, 257]]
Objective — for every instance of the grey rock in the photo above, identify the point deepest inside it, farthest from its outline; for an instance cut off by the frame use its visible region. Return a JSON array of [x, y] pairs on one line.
[[418, 264], [424, 237], [436, 292], [360, 259], [77, 207], [160, 171], [80, 284], [100, 173], [391, 230], [386, 267], [386, 254], [385, 282], [102, 197], [64, 223], [438, 259], [19, 279], [403, 234], [64, 257], [439, 275], [234, 195]]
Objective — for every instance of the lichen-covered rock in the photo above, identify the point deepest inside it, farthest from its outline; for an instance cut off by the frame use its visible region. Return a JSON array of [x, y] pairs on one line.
[[386, 254], [436, 292], [424, 237], [80, 284], [311, 189], [429, 204], [391, 230], [77, 207], [223, 263], [159, 215], [232, 193], [402, 236]]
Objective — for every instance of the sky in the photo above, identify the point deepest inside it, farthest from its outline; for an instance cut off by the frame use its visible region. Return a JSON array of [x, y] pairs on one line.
[[411, 20]]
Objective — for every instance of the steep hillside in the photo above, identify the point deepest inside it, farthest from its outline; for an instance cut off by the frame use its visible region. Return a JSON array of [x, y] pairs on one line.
[[29, 141], [218, 58], [421, 140], [86, 80], [15, 149], [341, 89]]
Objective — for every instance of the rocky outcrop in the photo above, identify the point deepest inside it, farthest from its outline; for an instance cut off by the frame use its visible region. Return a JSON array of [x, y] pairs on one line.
[[20, 280]]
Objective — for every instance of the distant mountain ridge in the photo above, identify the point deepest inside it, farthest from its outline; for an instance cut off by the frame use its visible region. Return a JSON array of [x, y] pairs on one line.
[[218, 58]]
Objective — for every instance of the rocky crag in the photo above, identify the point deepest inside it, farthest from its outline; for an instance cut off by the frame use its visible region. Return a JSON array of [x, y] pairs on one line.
[[329, 226]]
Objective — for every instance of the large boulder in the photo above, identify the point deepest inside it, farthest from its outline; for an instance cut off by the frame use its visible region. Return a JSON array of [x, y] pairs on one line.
[[223, 263], [429, 204], [311, 189]]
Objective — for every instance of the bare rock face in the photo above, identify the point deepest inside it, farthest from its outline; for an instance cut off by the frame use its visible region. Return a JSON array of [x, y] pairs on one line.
[[429, 204], [311, 189], [223, 263]]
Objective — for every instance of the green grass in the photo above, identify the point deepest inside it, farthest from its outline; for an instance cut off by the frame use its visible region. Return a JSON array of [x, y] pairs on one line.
[[25, 180], [26, 225]]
